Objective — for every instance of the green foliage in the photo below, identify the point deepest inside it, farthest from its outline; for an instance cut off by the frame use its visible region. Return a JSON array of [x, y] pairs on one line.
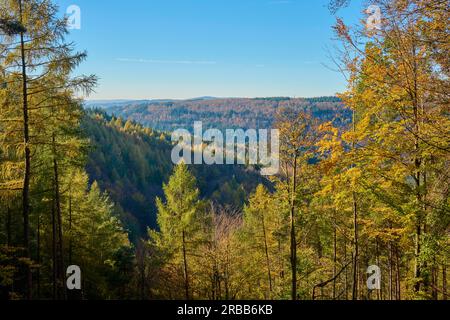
[[132, 164], [184, 225]]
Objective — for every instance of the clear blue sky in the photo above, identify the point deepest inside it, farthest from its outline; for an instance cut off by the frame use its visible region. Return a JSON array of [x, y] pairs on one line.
[[147, 49]]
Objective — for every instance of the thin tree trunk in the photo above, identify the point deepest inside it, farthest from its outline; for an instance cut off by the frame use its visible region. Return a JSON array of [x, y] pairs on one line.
[[38, 257], [444, 281], [397, 263], [435, 279], [227, 274], [70, 226], [54, 264], [417, 268], [417, 178], [355, 228], [269, 275], [27, 173], [346, 272], [390, 270], [186, 274], [60, 253], [334, 257], [293, 235], [377, 249], [8, 226], [355, 249]]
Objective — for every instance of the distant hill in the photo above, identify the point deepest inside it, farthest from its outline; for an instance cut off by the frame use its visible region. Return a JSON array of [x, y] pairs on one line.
[[221, 113], [105, 104], [131, 163]]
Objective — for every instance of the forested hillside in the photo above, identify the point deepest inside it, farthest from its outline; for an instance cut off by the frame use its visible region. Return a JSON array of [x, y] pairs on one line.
[[131, 162], [223, 113]]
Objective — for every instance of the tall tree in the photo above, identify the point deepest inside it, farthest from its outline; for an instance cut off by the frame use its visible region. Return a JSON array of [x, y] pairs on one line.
[[183, 222], [298, 137], [396, 81]]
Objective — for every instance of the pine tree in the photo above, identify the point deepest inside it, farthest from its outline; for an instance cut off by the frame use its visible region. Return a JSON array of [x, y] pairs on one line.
[[182, 221]]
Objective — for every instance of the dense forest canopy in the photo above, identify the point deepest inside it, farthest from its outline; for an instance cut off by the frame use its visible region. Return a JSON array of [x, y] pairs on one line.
[[132, 162], [229, 113], [363, 184]]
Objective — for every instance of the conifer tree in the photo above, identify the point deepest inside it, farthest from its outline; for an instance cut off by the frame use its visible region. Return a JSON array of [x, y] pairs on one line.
[[183, 222]]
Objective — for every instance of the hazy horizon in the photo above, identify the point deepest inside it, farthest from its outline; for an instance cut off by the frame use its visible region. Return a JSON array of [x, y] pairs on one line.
[[203, 97]]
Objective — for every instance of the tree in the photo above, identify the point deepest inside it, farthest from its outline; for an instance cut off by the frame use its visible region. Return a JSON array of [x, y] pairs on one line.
[[256, 226], [396, 80], [298, 137], [37, 64], [183, 222]]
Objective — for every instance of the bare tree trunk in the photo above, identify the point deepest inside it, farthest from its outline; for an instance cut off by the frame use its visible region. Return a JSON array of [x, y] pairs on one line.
[[397, 263], [435, 279], [346, 273], [38, 256], [377, 249], [417, 268], [8, 226], [269, 275], [293, 235], [70, 226], [60, 253], [355, 229], [54, 258], [227, 274], [417, 178], [334, 258], [27, 173], [444, 281], [355, 249], [390, 271], [186, 274]]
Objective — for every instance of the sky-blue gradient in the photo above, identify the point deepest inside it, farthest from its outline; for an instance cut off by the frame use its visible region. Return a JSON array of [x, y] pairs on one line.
[[146, 49]]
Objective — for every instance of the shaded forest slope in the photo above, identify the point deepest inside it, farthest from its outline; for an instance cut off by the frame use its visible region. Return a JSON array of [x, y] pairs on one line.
[[131, 162]]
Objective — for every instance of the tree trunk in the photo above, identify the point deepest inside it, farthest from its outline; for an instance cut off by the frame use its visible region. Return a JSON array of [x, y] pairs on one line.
[[269, 275], [38, 257], [444, 281], [27, 173], [377, 249], [54, 258], [60, 253], [293, 235], [355, 228], [334, 257], [70, 226], [435, 280], [397, 263], [346, 272], [8, 226], [186, 274], [417, 177], [390, 271], [355, 249]]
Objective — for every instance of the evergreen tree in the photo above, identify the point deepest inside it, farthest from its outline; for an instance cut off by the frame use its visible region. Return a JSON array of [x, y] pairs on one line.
[[183, 223]]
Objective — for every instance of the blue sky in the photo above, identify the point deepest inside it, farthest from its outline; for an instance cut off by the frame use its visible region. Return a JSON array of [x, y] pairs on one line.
[[148, 49]]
